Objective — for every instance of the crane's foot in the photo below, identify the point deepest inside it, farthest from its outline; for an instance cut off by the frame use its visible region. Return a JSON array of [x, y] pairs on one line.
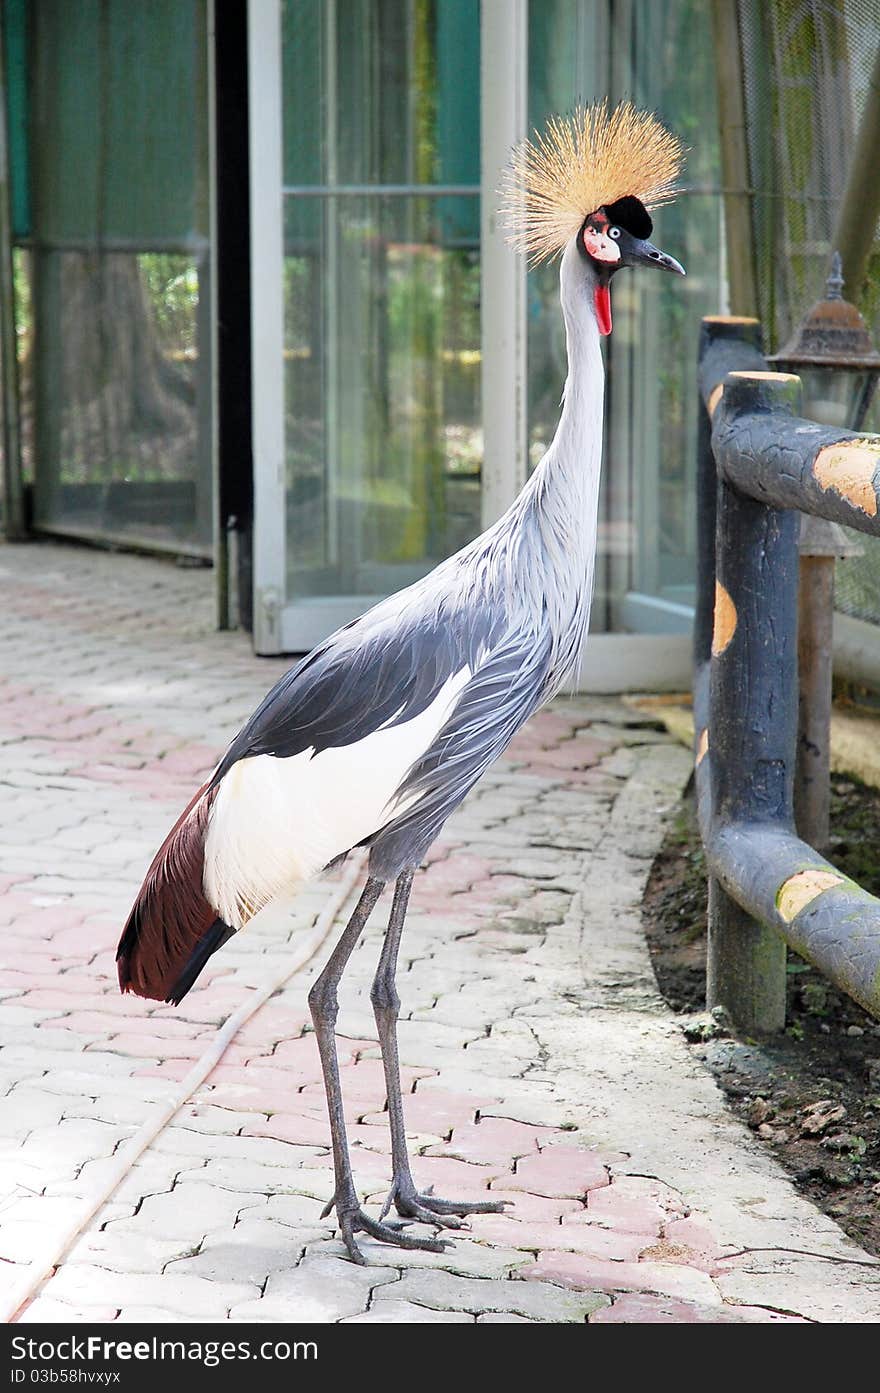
[[427, 1208], [352, 1219]]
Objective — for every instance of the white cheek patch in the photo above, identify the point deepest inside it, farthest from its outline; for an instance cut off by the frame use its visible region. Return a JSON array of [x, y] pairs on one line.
[[600, 247]]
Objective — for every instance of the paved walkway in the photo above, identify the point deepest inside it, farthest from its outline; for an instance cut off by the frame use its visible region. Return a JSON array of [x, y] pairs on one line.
[[540, 1063]]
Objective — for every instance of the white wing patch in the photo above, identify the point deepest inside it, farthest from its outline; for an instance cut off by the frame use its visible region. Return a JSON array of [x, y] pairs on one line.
[[276, 822]]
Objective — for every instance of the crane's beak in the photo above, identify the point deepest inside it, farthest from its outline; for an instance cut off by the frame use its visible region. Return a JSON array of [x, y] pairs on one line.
[[639, 253]]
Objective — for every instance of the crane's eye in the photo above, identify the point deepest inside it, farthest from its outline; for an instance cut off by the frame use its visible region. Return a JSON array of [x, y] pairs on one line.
[[615, 233]]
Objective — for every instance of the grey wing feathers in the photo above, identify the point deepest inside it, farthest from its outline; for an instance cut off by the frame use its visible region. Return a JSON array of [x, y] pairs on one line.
[[382, 669], [504, 691]]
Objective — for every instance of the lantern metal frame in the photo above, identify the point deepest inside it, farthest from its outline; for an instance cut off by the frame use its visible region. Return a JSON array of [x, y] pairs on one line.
[[834, 335]]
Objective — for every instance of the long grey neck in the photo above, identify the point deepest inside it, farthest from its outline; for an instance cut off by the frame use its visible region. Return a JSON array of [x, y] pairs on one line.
[[570, 469], [558, 509]]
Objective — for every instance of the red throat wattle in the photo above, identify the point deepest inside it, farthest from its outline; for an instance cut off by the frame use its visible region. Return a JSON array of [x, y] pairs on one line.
[[602, 301]]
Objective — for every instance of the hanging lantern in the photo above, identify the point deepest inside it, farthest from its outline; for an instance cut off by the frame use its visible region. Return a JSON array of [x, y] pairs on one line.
[[833, 354]]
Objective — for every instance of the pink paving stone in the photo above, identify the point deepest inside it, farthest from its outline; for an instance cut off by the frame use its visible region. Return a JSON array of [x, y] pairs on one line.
[[358, 1102], [566, 1171], [456, 874], [153, 1047], [439, 851], [642, 1308], [493, 1140], [524, 746], [630, 1213], [621, 1207], [366, 1164], [195, 760], [538, 1208], [368, 1138], [252, 1098], [175, 1069], [574, 754], [456, 1179], [284, 1025], [554, 725], [548, 771], [366, 1079], [302, 1053], [266, 1071], [437, 1111], [40, 978], [13, 905], [367, 1072], [50, 918], [697, 1239], [29, 933], [302, 1129], [147, 1026], [242, 1054], [695, 1232], [595, 1274], [589, 1240], [82, 940], [209, 1008], [43, 958]]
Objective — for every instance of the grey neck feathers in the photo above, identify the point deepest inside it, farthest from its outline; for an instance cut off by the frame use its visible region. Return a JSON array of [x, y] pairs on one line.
[[553, 525]]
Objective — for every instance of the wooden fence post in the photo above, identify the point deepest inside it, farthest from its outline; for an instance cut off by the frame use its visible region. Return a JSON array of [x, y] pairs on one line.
[[753, 708]]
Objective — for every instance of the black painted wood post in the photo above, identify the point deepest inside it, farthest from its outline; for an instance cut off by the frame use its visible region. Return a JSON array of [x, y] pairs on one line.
[[737, 945], [752, 706]]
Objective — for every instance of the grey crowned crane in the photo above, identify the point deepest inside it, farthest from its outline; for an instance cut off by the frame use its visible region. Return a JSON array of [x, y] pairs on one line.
[[377, 735]]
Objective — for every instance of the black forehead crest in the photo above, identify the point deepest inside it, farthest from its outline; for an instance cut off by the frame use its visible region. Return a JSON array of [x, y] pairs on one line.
[[630, 214]]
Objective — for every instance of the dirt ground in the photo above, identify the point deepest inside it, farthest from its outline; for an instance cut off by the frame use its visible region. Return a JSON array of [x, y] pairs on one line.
[[813, 1093]]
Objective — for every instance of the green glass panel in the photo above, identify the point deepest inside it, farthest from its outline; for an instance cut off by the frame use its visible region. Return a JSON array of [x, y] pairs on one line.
[[118, 120], [381, 92], [458, 113], [302, 86], [15, 34]]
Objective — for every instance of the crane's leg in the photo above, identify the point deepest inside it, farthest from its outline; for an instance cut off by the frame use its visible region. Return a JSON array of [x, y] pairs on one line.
[[386, 1007], [324, 1007]]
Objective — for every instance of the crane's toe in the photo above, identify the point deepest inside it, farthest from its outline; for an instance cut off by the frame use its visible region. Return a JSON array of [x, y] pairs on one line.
[[356, 1221], [427, 1208]]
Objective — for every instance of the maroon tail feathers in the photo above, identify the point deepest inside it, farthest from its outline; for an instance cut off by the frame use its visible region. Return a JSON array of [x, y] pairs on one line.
[[170, 918]]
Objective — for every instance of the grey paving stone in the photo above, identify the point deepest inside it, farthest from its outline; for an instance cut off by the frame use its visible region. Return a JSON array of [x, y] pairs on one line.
[[407, 1313], [321, 1289], [191, 1210], [191, 1296], [503, 1318], [250, 1252], [463, 1257], [538, 1300], [253, 1176]]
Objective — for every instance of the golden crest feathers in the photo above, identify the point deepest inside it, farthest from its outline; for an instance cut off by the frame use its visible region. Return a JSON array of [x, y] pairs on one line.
[[580, 163]]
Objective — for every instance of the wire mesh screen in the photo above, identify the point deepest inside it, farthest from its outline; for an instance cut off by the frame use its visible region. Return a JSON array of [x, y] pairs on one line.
[[113, 341], [116, 420], [807, 68]]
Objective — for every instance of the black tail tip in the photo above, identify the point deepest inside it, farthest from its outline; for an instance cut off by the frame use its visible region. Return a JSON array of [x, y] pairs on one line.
[[218, 934]]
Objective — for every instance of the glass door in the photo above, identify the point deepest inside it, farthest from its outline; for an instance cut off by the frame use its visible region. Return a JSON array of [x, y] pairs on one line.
[[365, 230]]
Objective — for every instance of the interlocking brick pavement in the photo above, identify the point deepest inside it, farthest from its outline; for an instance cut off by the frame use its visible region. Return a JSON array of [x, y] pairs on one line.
[[539, 1063]]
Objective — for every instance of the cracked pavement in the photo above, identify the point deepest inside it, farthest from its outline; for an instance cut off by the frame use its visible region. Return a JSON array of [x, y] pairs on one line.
[[540, 1064]]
